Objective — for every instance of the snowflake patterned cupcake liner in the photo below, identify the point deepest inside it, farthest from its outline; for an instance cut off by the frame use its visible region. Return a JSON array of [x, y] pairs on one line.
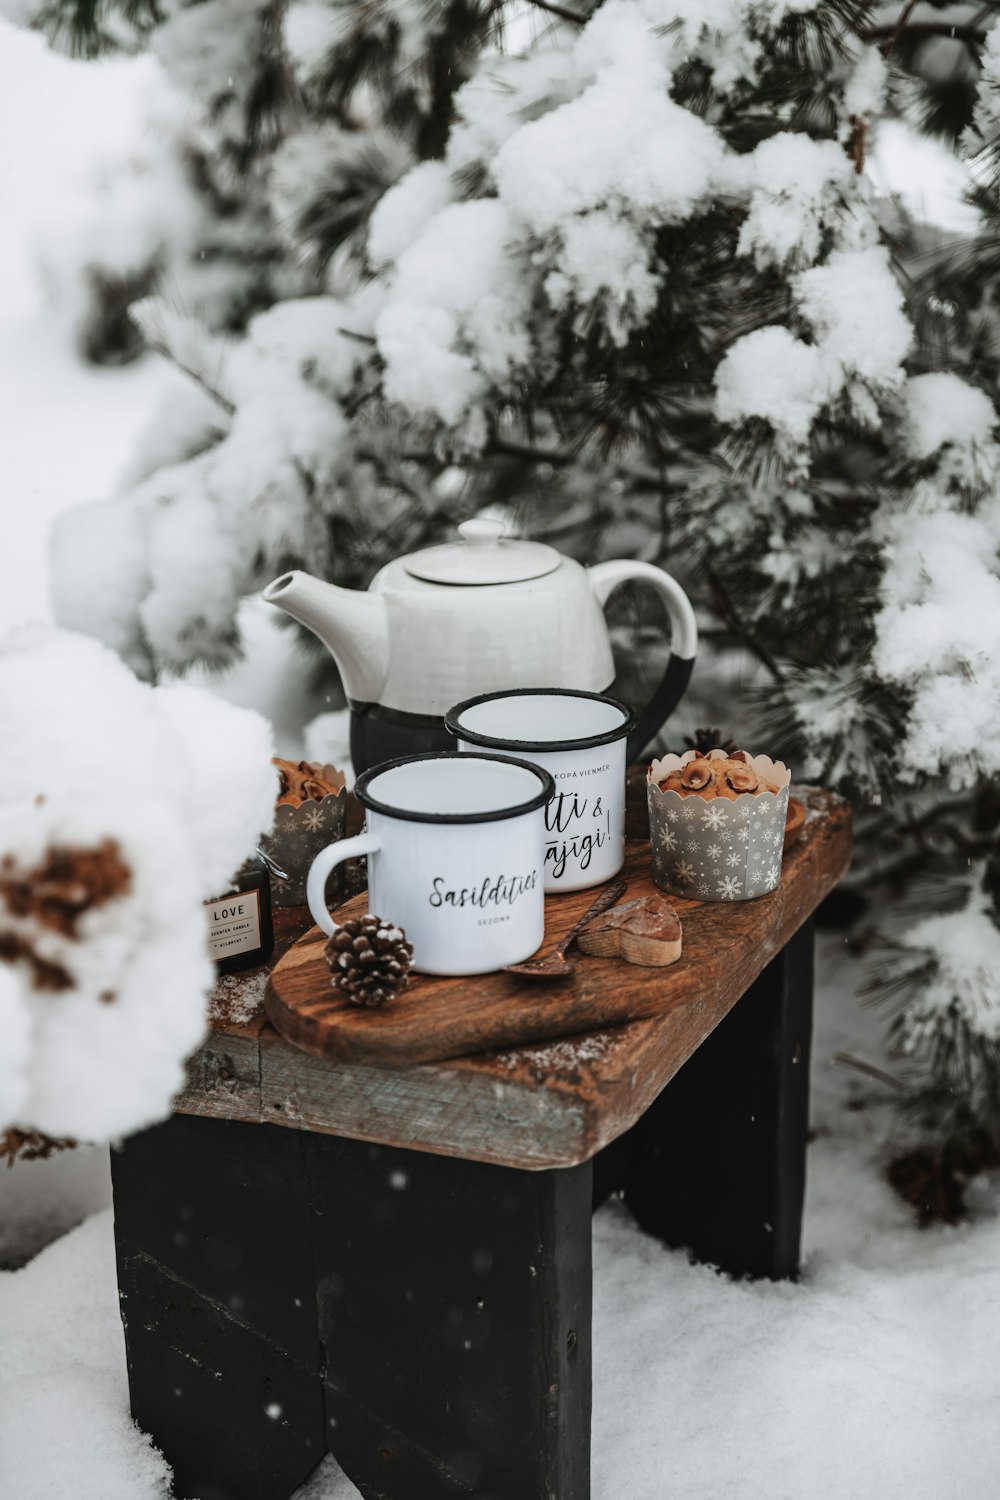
[[715, 849], [298, 835]]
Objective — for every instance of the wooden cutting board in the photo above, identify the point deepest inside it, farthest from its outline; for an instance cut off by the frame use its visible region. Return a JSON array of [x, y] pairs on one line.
[[439, 1018]]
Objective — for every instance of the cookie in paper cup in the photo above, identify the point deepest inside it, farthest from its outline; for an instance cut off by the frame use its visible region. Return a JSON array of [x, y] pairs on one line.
[[710, 841], [305, 821]]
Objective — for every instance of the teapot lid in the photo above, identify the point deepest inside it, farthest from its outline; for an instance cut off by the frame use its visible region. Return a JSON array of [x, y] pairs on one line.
[[484, 555]]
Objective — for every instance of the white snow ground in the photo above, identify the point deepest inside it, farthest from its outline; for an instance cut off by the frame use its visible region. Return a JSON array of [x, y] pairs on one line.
[[872, 1379]]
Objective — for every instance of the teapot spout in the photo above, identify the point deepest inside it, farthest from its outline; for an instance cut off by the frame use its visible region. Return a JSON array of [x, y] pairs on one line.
[[350, 623]]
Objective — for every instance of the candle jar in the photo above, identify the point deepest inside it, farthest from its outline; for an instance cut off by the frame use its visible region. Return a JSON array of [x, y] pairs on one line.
[[240, 928]]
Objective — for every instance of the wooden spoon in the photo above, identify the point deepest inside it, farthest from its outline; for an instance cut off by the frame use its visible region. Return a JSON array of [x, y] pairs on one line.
[[556, 965]]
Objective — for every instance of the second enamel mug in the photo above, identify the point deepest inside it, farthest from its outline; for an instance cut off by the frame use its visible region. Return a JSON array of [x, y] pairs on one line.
[[456, 848], [580, 739]]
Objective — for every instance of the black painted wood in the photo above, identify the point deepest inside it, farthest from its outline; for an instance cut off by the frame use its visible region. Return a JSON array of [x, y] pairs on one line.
[[426, 1319], [610, 1167], [718, 1162], [455, 1312], [214, 1246]]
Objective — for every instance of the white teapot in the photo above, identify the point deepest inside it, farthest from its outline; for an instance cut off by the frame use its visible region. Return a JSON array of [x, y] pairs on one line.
[[475, 616]]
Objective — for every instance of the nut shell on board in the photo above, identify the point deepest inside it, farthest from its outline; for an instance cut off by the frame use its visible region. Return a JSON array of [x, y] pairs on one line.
[[645, 931]]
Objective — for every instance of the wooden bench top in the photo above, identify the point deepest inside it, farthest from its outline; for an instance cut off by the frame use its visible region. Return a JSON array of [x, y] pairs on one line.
[[547, 1105]]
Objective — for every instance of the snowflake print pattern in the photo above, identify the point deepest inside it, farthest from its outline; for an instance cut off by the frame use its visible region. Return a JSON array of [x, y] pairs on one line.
[[715, 817], [713, 851], [667, 839], [732, 860], [774, 873], [745, 832], [729, 888], [683, 872], [672, 814], [313, 819]]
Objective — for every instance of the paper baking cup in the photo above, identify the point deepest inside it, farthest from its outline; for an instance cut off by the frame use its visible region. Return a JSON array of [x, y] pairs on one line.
[[717, 850], [298, 835]]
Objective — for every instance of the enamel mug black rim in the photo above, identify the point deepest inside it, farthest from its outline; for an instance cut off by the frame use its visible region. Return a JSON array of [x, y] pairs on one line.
[[474, 737], [495, 815]]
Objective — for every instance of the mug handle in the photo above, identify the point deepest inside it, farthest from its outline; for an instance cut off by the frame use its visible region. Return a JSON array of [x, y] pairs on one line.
[[320, 870], [683, 640]]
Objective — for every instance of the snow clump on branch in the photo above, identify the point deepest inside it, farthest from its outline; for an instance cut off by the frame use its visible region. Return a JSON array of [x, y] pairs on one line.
[[122, 808], [185, 546], [962, 951], [798, 185], [585, 173], [565, 174], [937, 630], [853, 307]]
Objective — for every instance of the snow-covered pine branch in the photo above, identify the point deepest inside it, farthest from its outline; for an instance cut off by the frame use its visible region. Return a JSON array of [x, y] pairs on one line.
[[582, 161], [647, 244], [122, 808]]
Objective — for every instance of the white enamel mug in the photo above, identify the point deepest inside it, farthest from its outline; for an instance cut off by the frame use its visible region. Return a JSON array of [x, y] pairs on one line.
[[580, 739], [456, 851]]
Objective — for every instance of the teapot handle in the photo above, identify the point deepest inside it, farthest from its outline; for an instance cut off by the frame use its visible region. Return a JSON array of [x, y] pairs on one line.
[[684, 641]]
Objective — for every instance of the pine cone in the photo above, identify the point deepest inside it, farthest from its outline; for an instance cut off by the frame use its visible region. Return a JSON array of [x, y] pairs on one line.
[[369, 959], [704, 740]]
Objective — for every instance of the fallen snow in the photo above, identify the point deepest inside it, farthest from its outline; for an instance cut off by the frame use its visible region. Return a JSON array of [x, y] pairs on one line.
[[237, 999], [872, 1379], [66, 1429], [42, 1200]]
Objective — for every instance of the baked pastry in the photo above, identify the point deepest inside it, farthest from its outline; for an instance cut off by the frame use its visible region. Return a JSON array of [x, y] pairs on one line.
[[724, 776], [303, 781], [716, 824]]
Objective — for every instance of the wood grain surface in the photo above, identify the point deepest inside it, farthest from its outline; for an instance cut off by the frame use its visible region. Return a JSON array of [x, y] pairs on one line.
[[794, 823], [438, 1018], [540, 1105]]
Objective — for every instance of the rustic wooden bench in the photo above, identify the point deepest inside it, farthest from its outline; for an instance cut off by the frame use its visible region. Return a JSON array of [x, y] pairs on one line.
[[395, 1265]]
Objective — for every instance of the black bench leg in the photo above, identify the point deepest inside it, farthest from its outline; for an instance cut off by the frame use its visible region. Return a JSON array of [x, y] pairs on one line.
[[718, 1163], [213, 1235], [455, 1309]]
